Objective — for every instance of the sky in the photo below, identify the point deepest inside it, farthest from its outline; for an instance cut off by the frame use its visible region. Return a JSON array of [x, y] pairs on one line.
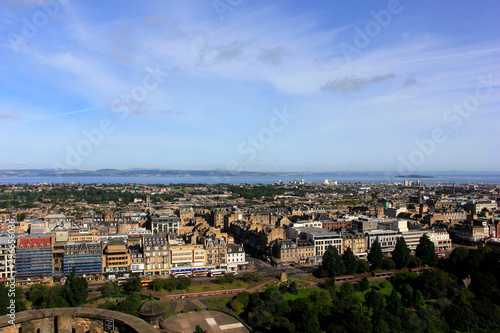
[[233, 85]]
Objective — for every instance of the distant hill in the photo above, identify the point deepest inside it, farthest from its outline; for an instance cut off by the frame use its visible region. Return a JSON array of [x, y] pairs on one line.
[[133, 173]]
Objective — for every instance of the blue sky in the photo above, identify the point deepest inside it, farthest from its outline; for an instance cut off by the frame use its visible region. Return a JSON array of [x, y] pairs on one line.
[[250, 85]]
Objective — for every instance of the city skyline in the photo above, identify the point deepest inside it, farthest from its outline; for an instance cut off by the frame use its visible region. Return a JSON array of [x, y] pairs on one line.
[[255, 86]]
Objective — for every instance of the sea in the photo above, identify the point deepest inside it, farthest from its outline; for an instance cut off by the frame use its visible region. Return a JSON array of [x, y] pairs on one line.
[[340, 177]]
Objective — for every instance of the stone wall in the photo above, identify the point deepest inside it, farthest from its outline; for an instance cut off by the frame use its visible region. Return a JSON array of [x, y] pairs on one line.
[[69, 320]]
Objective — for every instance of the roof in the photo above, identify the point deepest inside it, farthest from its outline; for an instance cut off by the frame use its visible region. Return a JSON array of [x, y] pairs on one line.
[[151, 308]]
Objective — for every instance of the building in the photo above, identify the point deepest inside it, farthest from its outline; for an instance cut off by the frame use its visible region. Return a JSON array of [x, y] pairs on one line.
[[187, 258], [236, 258], [356, 241], [292, 251], [34, 256], [7, 255], [320, 239], [156, 256], [440, 238], [115, 259], [165, 222], [136, 262], [216, 252], [86, 257], [386, 238], [337, 224]]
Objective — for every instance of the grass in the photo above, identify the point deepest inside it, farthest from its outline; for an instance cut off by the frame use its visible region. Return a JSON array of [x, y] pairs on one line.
[[302, 293], [199, 288], [166, 304], [170, 315], [386, 290], [218, 301]]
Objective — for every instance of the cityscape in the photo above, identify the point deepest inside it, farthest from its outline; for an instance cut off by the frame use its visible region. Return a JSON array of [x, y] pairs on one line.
[[249, 166]]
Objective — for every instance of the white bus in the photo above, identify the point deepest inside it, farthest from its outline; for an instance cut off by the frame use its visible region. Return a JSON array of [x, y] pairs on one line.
[[218, 272]]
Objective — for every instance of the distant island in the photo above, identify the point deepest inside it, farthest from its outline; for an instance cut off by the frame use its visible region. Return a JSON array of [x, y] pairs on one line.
[[136, 173], [414, 176]]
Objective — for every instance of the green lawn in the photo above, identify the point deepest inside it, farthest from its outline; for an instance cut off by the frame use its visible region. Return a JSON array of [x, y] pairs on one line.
[[302, 293], [199, 288], [218, 301], [386, 290]]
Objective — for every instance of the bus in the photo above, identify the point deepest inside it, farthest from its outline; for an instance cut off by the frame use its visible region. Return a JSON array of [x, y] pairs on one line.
[[146, 283], [200, 273], [218, 272], [181, 274], [440, 254]]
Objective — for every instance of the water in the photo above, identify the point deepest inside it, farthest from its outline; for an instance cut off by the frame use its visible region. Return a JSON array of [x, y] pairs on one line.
[[340, 177]]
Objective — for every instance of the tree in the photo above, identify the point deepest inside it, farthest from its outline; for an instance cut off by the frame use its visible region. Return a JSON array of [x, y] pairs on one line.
[[4, 300], [346, 289], [375, 256], [394, 304], [183, 283], [110, 288], [388, 264], [198, 329], [133, 283], [401, 254], [376, 302], [430, 283], [75, 289], [304, 316], [292, 289], [349, 261], [364, 284], [55, 297], [363, 266], [426, 251], [414, 262], [332, 263], [321, 301], [130, 305], [37, 293], [170, 284]]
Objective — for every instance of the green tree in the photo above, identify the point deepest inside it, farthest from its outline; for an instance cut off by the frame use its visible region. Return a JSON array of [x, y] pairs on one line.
[[350, 262], [388, 264], [75, 289], [110, 288], [346, 289], [363, 266], [458, 255], [364, 284], [55, 297], [418, 299], [414, 262], [394, 304], [376, 302], [292, 289], [375, 255], [133, 283], [401, 254], [426, 251], [183, 283], [4, 300], [198, 329], [37, 293], [332, 262], [171, 283], [130, 305], [431, 283], [157, 284], [321, 301], [304, 316]]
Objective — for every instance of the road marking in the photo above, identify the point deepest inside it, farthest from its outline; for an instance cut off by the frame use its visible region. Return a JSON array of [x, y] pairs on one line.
[[230, 326], [211, 322]]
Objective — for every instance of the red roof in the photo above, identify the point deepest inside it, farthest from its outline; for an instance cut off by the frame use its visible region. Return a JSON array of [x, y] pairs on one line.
[[35, 242]]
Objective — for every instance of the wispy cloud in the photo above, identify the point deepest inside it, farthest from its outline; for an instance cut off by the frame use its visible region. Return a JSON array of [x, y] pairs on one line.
[[9, 114], [352, 83]]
